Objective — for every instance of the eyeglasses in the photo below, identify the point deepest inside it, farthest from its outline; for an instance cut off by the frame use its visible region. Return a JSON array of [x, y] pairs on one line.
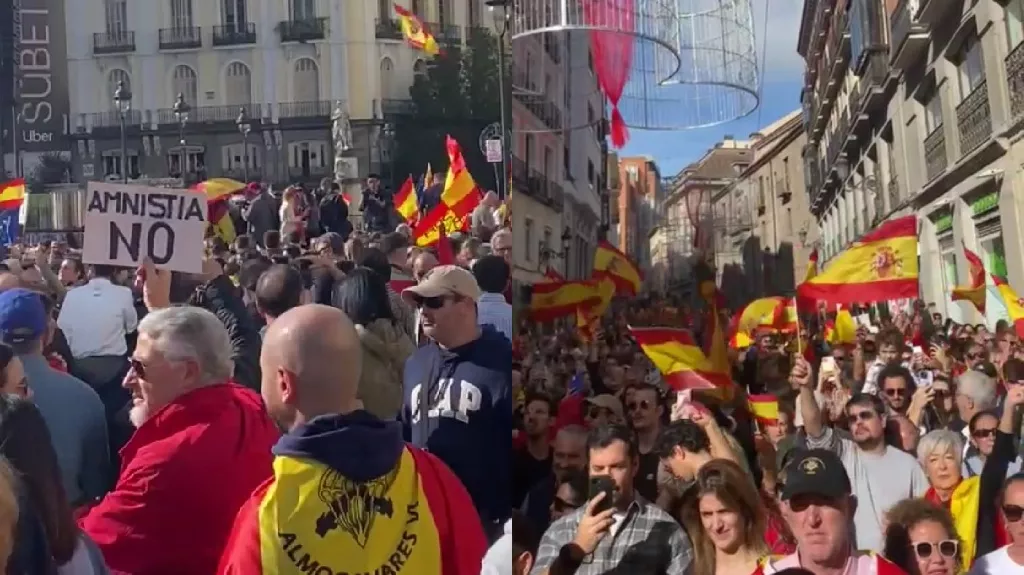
[[948, 548], [983, 433], [137, 367], [1013, 513], [436, 302], [895, 391], [975, 355], [861, 416], [642, 404]]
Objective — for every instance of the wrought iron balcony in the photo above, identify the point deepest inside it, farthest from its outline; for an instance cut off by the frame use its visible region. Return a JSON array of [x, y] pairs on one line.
[[1015, 78], [183, 38], [543, 109], [113, 119], [388, 29], [234, 34], [974, 119], [396, 106], [116, 42], [303, 30], [935, 154], [839, 47], [206, 114], [520, 174], [312, 109], [909, 36], [521, 78]]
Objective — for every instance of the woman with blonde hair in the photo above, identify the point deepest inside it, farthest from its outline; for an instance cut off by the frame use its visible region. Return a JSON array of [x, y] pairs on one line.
[[725, 519], [294, 212], [921, 539]]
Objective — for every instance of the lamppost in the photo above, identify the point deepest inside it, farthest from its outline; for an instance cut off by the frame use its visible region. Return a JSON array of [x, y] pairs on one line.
[[244, 127], [386, 147], [499, 11], [566, 245], [123, 101], [181, 110]]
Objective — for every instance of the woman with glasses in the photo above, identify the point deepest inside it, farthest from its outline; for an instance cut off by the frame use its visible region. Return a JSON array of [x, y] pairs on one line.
[[570, 494], [982, 429], [725, 519], [922, 540]]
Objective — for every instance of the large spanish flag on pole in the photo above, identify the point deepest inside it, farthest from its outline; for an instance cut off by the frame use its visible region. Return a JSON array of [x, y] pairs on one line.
[[680, 359], [609, 261], [1014, 304], [551, 300], [458, 200], [880, 266], [975, 291], [416, 33]]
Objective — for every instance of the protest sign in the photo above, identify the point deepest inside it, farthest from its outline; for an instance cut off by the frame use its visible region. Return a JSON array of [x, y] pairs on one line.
[[124, 224]]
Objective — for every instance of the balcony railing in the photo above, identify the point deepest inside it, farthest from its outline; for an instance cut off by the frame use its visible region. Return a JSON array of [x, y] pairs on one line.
[[908, 37], [543, 109], [204, 114], [396, 106], [303, 30], [181, 38], [974, 119], [234, 35], [312, 109], [112, 119], [117, 42], [1015, 77], [935, 154], [388, 29], [544, 190], [520, 174], [521, 78]]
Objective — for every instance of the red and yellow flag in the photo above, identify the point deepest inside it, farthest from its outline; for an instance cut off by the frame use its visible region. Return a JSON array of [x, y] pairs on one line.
[[415, 32], [218, 191], [880, 266], [405, 201], [764, 408], [12, 195], [842, 331], [551, 300], [458, 200], [770, 314], [812, 265], [1014, 304], [680, 359], [586, 324], [975, 291], [609, 261]]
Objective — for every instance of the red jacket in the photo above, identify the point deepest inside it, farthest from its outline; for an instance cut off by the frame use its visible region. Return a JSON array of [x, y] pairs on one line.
[[184, 474]]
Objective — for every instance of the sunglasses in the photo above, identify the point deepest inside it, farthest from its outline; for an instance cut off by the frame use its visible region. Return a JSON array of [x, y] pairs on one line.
[[137, 367], [983, 433], [1013, 513], [895, 391], [948, 548], [436, 302], [642, 404], [975, 355], [596, 412], [861, 416]]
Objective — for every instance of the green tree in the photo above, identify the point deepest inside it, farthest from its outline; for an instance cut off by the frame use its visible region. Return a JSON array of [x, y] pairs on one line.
[[457, 96], [51, 169]]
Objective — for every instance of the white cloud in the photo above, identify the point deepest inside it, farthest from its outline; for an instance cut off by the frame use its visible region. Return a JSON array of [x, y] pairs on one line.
[[777, 51]]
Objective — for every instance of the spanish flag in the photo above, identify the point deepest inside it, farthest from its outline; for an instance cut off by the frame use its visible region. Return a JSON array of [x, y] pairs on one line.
[[551, 300], [308, 518], [405, 201], [218, 191], [766, 314], [880, 266], [975, 292], [740, 341], [1014, 304], [680, 359], [812, 266], [12, 211], [458, 200], [552, 275], [609, 261], [416, 33], [842, 331], [764, 408], [586, 324]]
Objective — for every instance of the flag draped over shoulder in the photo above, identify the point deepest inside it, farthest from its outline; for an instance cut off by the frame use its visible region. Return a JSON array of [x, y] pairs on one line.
[[1014, 304], [405, 201], [458, 200], [679, 358], [551, 300], [12, 202], [218, 191], [880, 266], [416, 33], [610, 262], [975, 291]]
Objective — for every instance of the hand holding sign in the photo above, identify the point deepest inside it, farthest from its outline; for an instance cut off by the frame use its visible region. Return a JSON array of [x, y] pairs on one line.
[[156, 285]]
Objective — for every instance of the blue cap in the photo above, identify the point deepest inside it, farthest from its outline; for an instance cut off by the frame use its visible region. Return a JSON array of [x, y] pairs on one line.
[[22, 316]]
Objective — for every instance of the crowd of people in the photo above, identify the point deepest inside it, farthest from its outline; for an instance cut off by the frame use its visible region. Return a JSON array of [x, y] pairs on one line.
[[325, 397], [897, 452]]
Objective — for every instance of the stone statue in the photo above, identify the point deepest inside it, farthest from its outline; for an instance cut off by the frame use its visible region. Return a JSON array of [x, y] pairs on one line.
[[341, 129]]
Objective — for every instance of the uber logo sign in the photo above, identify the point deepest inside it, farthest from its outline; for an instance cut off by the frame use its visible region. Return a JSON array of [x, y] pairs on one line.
[[41, 64]]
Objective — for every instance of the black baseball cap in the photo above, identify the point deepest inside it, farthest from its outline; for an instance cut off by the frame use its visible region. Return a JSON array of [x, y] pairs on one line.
[[816, 472]]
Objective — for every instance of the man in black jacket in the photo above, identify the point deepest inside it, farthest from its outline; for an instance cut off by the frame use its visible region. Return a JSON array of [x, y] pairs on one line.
[[377, 206], [334, 212], [263, 215]]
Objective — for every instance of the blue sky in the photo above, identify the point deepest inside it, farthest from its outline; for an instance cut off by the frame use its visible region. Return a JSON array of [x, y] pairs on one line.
[[783, 72]]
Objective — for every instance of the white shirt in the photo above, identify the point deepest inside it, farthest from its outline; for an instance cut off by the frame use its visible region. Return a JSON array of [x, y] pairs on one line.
[[96, 317], [997, 562], [492, 309]]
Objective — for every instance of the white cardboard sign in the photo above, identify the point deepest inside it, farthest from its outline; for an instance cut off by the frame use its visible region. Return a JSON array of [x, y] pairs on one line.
[[125, 223]]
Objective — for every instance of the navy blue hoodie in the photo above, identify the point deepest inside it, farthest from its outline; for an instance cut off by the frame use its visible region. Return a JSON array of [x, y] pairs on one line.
[[469, 418], [358, 445]]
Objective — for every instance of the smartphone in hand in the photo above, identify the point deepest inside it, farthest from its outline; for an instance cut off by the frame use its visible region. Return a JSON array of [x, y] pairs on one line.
[[602, 484]]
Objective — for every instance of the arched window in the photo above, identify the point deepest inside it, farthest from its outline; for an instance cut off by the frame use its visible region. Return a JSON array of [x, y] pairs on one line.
[[306, 81], [238, 84], [186, 83], [387, 72], [117, 75]]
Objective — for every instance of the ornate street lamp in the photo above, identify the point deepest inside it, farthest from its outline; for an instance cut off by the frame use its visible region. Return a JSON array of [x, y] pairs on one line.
[[123, 102], [181, 110], [500, 13], [566, 245], [244, 127]]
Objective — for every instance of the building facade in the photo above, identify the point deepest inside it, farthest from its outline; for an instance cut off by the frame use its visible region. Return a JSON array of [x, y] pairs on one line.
[[767, 231], [639, 192], [289, 65], [917, 107]]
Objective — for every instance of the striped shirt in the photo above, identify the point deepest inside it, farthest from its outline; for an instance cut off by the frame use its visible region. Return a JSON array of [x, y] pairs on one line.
[[492, 309]]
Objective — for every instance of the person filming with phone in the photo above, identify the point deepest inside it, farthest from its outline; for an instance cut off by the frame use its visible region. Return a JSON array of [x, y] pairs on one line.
[[617, 530]]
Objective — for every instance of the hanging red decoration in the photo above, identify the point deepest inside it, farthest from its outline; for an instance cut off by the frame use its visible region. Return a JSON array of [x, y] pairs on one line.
[[613, 53]]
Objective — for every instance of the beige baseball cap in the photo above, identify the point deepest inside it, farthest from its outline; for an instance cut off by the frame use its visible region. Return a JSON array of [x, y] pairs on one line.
[[442, 281], [609, 402]]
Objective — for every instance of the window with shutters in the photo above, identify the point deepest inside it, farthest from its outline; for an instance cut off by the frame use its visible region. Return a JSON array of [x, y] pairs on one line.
[[116, 12], [233, 15], [238, 84], [302, 10], [307, 80], [181, 14], [186, 83], [234, 157]]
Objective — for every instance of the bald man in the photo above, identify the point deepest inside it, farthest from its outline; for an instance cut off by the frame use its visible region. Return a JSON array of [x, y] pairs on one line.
[[347, 494]]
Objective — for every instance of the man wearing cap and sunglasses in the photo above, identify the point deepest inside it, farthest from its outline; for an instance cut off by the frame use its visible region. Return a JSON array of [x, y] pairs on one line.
[[818, 505], [461, 381]]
